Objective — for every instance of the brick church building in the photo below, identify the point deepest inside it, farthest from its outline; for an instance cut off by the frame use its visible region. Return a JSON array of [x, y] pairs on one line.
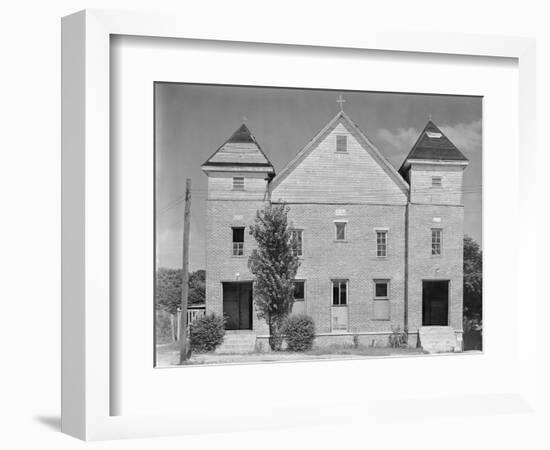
[[380, 248]]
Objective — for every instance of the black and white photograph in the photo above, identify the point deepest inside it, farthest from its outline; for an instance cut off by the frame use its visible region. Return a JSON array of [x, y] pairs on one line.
[[301, 224]]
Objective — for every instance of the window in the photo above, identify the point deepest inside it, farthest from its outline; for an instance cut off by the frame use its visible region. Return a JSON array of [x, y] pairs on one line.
[[436, 182], [436, 241], [299, 290], [341, 143], [339, 292], [238, 183], [340, 231], [238, 241], [381, 302], [381, 243], [297, 240]]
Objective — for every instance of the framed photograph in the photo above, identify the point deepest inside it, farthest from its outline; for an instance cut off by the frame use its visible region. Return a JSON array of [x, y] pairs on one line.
[[320, 214]]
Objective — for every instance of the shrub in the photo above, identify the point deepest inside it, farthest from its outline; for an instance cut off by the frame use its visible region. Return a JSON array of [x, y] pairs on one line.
[[398, 338], [206, 333], [299, 332]]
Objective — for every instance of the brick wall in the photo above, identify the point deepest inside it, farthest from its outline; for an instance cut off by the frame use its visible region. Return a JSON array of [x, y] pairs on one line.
[[424, 266], [325, 259], [221, 265]]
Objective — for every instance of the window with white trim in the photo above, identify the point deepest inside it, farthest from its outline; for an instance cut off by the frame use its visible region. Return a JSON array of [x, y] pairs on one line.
[[341, 143], [436, 241], [381, 303], [238, 241], [341, 231], [339, 292], [296, 238], [299, 290], [381, 243], [238, 183]]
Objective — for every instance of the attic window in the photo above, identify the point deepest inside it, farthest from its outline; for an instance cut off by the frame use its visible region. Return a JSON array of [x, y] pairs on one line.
[[341, 143], [436, 182], [433, 134], [238, 183]]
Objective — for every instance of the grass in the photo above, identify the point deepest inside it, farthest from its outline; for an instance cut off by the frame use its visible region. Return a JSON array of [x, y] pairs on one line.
[[362, 350], [168, 355]]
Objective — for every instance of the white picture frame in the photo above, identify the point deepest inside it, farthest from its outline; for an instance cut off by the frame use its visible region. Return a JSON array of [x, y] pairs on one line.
[[87, 314]]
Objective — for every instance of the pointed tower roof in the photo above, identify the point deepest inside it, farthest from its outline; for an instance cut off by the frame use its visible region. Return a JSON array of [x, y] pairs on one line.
[[432, 145], [240, 151]]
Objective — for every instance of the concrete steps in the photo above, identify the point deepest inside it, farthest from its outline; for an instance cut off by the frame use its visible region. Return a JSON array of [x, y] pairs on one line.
[[438, 339], [237, 342]]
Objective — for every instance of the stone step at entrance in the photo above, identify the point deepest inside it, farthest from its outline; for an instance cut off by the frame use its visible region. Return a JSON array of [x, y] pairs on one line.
[[238, 342], [438, 339]]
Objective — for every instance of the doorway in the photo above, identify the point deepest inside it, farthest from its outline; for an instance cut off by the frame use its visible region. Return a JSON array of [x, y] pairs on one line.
[[237, 305], [435, 303]]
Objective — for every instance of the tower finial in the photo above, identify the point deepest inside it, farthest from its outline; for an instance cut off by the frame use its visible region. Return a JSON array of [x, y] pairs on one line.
[[430, 117], [341, 100], [244, 119]]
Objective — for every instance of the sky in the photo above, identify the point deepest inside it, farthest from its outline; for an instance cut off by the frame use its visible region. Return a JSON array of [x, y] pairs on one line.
[[193, 121]]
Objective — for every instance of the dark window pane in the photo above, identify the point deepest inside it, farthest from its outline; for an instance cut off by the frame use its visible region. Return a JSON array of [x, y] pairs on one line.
[[299, 290], [238, 234], [381, 289], [340, 231], [335, 293], [343, 293]]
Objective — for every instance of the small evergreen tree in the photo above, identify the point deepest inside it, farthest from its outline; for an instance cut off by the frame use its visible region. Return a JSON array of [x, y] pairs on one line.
[[274, 264]]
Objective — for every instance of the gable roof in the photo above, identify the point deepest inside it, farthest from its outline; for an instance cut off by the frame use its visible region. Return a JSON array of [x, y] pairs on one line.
[[432, 145], [343, 118], [241, 149]]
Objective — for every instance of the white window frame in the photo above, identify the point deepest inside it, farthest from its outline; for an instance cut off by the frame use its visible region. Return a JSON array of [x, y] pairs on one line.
[[386, 298], [300, 280], [384, 232], [438, 243], [345, 223], [344, 138], [339, 281], [238, 248], [299, 253]]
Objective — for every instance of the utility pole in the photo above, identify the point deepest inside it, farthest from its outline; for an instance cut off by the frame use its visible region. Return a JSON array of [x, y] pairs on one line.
[[185, 274]]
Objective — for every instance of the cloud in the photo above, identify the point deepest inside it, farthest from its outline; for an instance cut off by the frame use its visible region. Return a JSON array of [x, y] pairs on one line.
[[401, 140], [466, 136], [397, 144]]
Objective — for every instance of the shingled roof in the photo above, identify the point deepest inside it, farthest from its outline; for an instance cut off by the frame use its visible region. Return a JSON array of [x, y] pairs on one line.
[[432, 145], [241, 149]]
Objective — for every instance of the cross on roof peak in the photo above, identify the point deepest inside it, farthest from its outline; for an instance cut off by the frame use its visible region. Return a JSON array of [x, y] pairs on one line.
[[341, 100]]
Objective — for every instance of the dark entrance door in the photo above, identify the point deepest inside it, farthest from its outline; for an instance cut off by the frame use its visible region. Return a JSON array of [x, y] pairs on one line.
[[237, 305], [435, 303]]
